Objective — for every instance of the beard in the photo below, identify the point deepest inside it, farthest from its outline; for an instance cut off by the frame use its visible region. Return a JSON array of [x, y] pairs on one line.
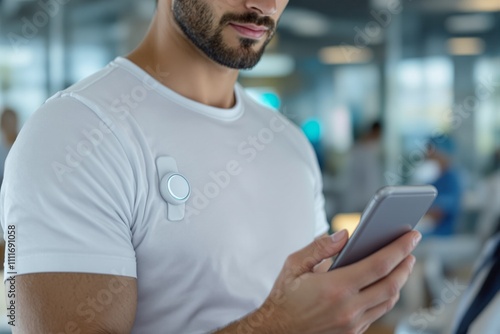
[[197, 21]]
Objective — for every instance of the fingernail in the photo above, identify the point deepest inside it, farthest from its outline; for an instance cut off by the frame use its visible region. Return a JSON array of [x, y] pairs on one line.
[[417, 239], [340, 235]]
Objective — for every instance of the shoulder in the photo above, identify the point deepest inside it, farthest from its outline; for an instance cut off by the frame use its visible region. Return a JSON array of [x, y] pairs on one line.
[[111, 79], [63, 135], [91, 109], [116, 90]]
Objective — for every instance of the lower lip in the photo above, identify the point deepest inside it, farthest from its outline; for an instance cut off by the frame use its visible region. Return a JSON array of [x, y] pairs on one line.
[[249, 33]]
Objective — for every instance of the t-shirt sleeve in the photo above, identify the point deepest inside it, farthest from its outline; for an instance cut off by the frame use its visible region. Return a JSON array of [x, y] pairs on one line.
[[67, 195], [321, 225]]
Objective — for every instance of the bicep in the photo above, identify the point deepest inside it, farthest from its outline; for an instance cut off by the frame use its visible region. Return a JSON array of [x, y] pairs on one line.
[[74, 303]]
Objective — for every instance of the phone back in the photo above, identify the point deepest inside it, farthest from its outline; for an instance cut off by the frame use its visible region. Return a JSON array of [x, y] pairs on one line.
[[392, 212]]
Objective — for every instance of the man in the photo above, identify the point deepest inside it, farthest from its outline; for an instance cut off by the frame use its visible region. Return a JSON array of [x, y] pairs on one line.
[[99, 250], [442, 247], [446, 208]]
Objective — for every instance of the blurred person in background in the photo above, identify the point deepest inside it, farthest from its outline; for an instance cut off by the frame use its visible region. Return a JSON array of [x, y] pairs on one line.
[[365, 170], [9, 127], [445, 211], [103, 247], [443, 248], [458, 306]]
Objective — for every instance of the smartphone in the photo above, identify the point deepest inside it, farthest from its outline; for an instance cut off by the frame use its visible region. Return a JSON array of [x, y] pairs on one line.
[[392, 212]]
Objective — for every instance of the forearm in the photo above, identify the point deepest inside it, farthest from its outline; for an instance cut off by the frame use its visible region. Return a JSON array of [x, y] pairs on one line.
[[264, 320]]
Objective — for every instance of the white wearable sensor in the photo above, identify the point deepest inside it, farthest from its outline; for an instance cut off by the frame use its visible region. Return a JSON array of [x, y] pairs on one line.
[[174, 188]]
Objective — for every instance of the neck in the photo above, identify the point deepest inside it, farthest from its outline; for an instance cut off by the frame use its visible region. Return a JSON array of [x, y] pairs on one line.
[[168, 56]]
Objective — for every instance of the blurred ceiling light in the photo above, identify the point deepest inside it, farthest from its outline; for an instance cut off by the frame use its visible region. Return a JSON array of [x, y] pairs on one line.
[[271, 65], [305, 23], [345, 54], [479, 5], [475, 23], [466, 46], [460, 5]]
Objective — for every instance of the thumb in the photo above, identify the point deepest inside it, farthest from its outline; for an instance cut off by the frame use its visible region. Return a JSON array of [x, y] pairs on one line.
[[320, 249]]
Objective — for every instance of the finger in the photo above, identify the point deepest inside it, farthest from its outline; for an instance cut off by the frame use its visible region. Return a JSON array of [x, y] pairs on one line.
[[323, 266], [386, 288], [320, 249], [382, 263], [378, 311]]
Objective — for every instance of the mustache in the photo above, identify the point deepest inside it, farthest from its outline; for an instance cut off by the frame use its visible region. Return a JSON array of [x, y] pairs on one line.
[[251, 17]]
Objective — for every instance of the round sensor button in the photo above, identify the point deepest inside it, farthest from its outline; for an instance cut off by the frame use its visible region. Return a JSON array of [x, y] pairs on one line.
[[175, 188]]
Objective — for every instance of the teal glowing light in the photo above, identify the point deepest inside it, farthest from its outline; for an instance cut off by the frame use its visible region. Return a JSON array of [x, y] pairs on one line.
[[271, 99], [265, 96], [312, 129]]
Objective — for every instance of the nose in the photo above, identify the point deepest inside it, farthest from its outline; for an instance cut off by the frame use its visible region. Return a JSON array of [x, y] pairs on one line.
[[262, 7]]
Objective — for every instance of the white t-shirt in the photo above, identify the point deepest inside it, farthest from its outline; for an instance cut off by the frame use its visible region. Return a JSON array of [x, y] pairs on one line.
[[81, 189]]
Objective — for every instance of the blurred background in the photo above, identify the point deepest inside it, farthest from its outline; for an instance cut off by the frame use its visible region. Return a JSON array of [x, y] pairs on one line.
[[388, 92]]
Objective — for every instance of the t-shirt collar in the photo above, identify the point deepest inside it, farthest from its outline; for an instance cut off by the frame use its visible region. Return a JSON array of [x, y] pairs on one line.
[[230, 114]]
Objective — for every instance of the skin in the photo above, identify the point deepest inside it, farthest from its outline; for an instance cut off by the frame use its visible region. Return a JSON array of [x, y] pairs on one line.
[[345, 300], [305, 297], [187, 70]]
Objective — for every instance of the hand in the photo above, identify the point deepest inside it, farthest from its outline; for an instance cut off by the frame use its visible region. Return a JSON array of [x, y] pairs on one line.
[[344, 300]]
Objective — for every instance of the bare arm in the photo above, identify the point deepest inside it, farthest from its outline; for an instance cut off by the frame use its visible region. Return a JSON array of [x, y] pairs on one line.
[[344, 300], [74, 303]]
